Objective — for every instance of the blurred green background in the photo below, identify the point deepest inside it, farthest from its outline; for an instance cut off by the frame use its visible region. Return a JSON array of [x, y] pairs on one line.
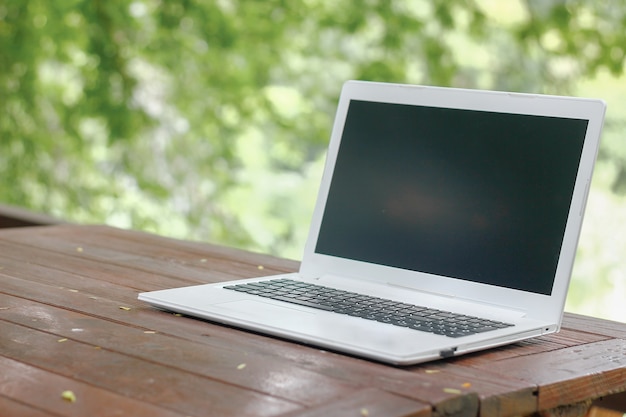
[[208, 120]]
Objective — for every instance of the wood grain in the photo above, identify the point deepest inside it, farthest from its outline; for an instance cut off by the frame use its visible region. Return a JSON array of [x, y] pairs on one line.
[[365, 403], [24, 383]]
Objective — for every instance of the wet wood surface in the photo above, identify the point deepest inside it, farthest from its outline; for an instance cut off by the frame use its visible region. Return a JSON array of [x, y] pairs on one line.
[[75, 341]]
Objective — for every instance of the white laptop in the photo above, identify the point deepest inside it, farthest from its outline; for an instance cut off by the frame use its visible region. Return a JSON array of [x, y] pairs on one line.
[[447, 222]]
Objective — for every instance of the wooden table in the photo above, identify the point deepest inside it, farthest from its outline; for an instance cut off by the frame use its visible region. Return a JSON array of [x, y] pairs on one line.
[[74, 341]]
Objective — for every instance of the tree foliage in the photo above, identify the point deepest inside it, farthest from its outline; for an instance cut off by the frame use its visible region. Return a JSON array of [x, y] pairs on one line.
[[179, 116]]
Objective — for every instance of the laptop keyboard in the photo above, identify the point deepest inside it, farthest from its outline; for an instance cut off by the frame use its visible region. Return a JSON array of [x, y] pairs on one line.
[[371, 308]]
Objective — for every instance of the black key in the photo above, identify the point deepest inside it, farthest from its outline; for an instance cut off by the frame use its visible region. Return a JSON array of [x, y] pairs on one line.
[[420, 320], [304, 303], [357, 312], [421, 327], [400, 322], [484, 329]]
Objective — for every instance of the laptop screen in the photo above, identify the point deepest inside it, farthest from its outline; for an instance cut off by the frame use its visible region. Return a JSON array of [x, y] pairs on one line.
[[474, 195]]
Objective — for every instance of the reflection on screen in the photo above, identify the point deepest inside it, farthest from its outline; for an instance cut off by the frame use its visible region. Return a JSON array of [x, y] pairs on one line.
[[480, 196]]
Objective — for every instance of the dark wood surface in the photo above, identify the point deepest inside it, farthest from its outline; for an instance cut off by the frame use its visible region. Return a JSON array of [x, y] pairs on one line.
[[70, 321], [12, 216]]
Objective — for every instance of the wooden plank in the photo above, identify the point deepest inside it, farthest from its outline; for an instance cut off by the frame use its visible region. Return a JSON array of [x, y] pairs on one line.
[[24, 383], [571, 375], [145, 244], [12, 408], [553, 342], [90, 260], [585, 324], [72, 272], [154, 271], [12, 216], [367, 402], [106, 243], [500, 395], [183, 392]]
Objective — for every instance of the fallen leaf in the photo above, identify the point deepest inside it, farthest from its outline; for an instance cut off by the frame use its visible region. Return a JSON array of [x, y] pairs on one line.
[[79, 249], [452, 391], [68, 396], [466, 385], [124, 308], [432, 371], [260, 267], [70, 290], [178, 314], [241, 366], [62, 340], [150, 332]]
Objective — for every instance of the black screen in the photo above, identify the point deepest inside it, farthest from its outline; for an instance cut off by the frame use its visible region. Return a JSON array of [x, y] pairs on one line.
[[480, 196]]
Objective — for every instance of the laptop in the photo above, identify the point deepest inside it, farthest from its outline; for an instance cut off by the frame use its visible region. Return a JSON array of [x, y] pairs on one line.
[[446, 222]]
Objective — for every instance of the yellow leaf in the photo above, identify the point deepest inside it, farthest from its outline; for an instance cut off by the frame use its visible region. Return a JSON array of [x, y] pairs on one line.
[[68, 396], [451, 391], [241, 366], [124, 308], [432, 371], [62, 340]]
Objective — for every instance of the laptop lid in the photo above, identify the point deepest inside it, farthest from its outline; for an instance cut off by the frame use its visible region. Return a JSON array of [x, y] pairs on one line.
[[477, 195]]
